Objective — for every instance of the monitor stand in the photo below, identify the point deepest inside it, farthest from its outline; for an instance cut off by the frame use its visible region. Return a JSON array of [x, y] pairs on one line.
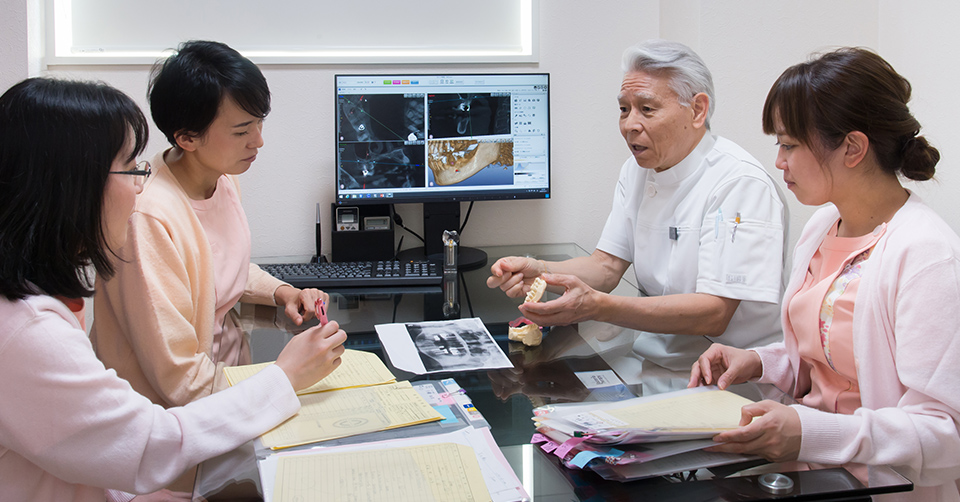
[[437, 217]]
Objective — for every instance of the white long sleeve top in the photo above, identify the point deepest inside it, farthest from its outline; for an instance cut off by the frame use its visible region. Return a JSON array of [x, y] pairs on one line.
[[70, 428]]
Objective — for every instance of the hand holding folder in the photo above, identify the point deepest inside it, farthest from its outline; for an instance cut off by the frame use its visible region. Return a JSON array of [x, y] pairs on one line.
[[696, 413]]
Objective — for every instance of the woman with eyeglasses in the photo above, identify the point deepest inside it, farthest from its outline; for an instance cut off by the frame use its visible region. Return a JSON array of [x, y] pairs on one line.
[[164, 321], [871, 347], [70, 429]]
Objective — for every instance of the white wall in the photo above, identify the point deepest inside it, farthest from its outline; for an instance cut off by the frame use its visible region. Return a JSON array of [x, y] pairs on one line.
[[13, 42], [924, 46], [580, 45], [746, 43]]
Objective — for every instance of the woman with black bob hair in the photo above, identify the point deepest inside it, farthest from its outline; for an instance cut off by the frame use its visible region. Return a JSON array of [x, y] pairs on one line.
[[48, 182], [871, 348], [165, 321], [68, 179]]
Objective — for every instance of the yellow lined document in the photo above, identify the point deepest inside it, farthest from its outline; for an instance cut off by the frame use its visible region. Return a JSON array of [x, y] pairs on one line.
[[714, 410], [437, 472], [357, 369], [347, 412]]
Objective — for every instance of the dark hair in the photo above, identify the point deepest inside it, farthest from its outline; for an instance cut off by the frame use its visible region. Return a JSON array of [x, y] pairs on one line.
[[58, 140], [186, 89], [851, 89]]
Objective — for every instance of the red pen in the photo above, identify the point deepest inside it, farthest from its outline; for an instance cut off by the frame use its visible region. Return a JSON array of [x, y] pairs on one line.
[[321, 311]]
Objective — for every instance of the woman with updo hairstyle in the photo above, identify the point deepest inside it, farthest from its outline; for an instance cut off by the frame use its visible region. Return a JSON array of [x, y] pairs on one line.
[[871, 348]]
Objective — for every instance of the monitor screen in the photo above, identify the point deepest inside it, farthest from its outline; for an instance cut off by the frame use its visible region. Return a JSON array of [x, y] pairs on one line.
[[405, 138]]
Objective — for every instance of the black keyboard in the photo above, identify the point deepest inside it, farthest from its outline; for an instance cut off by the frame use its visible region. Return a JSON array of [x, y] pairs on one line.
[[357, 274]]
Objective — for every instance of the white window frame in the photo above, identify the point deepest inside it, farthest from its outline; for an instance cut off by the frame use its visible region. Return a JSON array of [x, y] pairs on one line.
[[59, 48]]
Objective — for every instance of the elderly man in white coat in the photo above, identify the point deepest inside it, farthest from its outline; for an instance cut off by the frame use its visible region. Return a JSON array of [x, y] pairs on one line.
[[698, 217]]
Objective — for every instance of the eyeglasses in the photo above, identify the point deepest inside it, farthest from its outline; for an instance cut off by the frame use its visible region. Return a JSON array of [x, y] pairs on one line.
[[142, 171]]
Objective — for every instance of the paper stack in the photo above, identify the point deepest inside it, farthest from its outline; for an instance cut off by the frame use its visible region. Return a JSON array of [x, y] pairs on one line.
[[464, 465], [641, 437], [360, 396]]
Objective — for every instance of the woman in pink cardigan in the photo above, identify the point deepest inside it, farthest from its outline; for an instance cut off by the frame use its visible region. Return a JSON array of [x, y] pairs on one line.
[[70, 429], [164, 321], [871, 346]]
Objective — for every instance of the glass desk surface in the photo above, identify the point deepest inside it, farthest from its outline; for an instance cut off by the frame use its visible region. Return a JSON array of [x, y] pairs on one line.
[[542, 375]]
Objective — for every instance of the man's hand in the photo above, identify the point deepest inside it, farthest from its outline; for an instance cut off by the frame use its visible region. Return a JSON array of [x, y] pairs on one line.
[[579, 302], [514, 274]]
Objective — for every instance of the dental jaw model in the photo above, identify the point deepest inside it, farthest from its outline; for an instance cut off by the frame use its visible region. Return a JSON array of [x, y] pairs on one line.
[[536, 290], [522, 330], [529, 334]]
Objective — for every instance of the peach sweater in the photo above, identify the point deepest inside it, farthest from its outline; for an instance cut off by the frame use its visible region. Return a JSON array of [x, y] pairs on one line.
[[154, 320]]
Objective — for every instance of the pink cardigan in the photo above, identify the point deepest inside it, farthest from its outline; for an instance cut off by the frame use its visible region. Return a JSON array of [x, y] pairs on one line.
[[69, 428], [907, 347]]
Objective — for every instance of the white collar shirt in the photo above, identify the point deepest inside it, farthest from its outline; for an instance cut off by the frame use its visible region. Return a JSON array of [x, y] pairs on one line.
[[714, 223]]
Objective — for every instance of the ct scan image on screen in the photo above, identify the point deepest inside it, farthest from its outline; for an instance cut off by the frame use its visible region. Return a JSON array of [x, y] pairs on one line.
[[381, 165], [381, 117], [438, 138], [376, 131], [468, 114]]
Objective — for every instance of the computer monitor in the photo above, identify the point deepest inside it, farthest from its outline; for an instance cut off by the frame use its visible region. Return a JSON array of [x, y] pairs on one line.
[[440, 139]]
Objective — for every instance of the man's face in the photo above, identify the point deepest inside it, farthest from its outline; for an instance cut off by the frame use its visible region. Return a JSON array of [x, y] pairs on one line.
[[659, 130]]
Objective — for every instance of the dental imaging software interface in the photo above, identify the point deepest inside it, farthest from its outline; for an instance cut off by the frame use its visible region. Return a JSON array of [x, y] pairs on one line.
[[440, 138]]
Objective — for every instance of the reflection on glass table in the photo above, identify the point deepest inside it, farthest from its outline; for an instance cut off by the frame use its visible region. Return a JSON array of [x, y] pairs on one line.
[[591, 361]]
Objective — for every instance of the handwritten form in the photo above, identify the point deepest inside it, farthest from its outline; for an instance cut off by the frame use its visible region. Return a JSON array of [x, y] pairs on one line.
[[438, 472], [702, 411], [357, 369], [347, 412], [501, 481]]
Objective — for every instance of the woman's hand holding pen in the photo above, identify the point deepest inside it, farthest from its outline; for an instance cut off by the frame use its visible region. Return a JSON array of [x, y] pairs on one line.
[[312, 355], [724, 366], [299, 304]]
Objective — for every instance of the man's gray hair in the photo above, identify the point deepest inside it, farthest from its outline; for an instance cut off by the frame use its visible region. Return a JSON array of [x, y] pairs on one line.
[[688, 74]]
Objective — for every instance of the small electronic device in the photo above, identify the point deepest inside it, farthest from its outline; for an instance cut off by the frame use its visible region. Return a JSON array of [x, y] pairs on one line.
[[376, 223], [356, 236], [348, 218]]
